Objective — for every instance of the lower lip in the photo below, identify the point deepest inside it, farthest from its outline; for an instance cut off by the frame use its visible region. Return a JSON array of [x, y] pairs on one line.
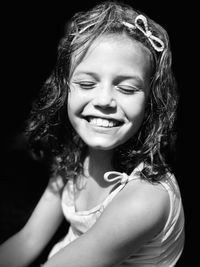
[[102, 129]]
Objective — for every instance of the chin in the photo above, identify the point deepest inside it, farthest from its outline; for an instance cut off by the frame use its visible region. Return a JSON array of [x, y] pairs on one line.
[[101, 147], [103, 144]]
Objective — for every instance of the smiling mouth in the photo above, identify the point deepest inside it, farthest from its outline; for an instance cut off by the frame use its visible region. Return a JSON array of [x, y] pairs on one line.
[[102, 122]]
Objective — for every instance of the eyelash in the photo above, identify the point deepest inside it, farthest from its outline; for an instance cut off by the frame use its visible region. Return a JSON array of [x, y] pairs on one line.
[[91, 85]]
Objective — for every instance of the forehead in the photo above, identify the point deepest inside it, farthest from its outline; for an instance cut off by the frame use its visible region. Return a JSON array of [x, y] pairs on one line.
[[113, 52]]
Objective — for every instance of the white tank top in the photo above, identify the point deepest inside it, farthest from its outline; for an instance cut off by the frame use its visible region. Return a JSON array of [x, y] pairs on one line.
[[163, 250]]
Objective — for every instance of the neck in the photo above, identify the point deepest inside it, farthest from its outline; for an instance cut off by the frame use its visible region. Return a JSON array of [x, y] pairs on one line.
[[98, 162]]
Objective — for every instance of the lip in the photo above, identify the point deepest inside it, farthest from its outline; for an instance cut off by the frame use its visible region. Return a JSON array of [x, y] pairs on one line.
[[103, 130]]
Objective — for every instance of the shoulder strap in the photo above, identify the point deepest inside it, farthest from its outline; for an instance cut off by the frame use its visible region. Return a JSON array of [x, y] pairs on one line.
[[122, 179]]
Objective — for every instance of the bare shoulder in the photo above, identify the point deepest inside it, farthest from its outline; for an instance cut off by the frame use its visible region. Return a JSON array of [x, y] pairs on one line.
[[148, 199], [141, 209], [144, 205], [143, 193]]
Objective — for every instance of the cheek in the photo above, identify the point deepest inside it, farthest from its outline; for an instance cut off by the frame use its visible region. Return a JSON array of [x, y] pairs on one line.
[[78, 98], [75, 105], [74, 102], [72, 108], [135, 109]]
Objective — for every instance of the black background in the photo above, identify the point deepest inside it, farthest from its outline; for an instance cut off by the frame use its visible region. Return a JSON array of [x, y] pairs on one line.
[[29, 36]]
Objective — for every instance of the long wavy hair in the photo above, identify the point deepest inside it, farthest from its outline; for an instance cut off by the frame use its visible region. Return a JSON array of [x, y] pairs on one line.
[[49, 130]]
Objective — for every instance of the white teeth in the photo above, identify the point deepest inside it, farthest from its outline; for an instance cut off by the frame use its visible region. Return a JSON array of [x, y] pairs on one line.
[[102, 122], [93, 121], [105, 123], [99, 122], [111, 124]]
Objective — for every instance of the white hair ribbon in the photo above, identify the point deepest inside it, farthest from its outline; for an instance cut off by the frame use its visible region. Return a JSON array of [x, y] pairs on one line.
[[145, 30]]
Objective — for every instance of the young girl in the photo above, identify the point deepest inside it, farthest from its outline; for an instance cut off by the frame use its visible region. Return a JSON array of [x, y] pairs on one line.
[[105, 119]]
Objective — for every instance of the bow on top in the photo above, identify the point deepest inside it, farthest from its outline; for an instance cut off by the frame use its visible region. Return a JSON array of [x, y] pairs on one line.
[[142, 25]]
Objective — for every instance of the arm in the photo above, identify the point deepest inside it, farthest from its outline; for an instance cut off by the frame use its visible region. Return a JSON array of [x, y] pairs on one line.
[[22, 248], [135, 216]]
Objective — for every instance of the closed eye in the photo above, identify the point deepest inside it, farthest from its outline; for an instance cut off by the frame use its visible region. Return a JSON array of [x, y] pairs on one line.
[[86, 84], [126, 89]]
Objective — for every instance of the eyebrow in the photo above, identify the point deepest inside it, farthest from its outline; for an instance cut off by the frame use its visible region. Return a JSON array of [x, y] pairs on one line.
[[93, 74]]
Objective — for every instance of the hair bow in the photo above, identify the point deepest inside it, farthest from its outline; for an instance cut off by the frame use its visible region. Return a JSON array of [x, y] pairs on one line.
[[156, 42]]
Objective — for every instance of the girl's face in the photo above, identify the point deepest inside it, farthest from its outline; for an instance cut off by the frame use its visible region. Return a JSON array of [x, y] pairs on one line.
[[108, 91]]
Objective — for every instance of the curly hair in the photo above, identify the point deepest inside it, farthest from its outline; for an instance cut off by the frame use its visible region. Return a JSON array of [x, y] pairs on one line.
[[48, 127]]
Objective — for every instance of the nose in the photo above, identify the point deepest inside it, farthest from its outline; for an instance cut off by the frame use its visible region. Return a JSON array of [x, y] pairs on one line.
[[104, 97]]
